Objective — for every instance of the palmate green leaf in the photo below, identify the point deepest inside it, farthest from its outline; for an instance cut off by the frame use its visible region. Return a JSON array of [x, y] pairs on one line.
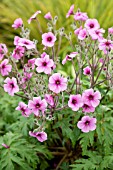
[[10, 160], [7, 108], [25, 153], [42, 149], [105, 134], [67, 123], [20, 152], [99, 132], [64, 122], [23, 124], [20, 162], [7, 162], [83, 164], [75, 135], [86, 140], [108, 137], [107, 160], [95, 161], [90, 163]]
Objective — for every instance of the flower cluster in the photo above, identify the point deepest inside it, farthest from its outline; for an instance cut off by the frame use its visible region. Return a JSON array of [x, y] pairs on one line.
[[48, 90], [88, 102], [92, 29]]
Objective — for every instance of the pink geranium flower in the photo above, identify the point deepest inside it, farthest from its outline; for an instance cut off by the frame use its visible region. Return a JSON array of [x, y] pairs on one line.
[[80, 16], [5, 68], [82, 34], [75, 102], [49, 99], [88, 108], [48, 39], [33, 16], [91, 98], [69, 57], [44, 64], [87, 71], [78, 30], [26, 43], [3, 51], [57, 83], [92, 24], [17, 23], [18, 52], [106, 45], [48, 16], [24, 109], [41, 136], [110, 30], [97, 34], [70, 12], [37, 105], [87, 124], [11, 86]]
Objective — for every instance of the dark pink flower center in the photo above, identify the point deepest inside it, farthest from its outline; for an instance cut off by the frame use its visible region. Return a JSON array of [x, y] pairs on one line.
[[25, 79], [44, 64], [26, 43], [17, 51], [74, 101], [12, 85], [3, 66], [97, 32], [69, 58], [107, 43], [87, 122], [71, 12], [39, 135], [37, 105], [88, 72], [91, 97], [18, 24], [22, 109], [49, 39], [57, 82], [92, 25], [104, 68], [85, 106]]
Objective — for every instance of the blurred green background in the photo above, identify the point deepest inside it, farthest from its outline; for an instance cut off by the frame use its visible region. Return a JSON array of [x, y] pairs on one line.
[[12, 9]]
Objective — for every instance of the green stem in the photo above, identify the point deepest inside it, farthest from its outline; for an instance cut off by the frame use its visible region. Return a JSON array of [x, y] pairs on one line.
[[101, 69]]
